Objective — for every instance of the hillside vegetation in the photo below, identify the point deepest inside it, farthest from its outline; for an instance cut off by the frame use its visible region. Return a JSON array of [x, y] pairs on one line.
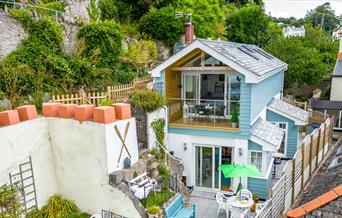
[[120, 43]]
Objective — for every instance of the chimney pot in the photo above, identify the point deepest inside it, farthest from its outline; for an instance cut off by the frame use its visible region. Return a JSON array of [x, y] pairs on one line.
[[189, 31]]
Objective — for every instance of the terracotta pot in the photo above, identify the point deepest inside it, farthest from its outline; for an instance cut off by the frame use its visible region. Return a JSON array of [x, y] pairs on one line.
[[153, 215], [234, 125]]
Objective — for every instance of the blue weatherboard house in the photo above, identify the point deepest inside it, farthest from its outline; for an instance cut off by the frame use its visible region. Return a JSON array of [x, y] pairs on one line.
[[225, 107]]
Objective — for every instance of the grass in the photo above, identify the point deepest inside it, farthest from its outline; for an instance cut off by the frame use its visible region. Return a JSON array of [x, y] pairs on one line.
[[157, 199]]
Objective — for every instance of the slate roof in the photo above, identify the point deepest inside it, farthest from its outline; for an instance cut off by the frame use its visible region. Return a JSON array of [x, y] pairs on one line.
[[325, 104], [338, 68], [268, 132], [248, 56], [290, 110]]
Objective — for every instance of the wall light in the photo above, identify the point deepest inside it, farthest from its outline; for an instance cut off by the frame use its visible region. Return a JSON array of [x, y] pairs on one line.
[[240, 152], [185, 146]]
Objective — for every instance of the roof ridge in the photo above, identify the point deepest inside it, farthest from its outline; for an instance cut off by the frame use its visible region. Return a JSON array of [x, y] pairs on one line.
[[316, 203]]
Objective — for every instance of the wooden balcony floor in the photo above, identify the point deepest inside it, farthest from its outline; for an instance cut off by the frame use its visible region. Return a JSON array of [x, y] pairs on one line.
[[203, 123]]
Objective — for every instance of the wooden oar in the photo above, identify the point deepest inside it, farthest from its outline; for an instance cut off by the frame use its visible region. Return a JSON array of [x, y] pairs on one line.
[[119, 134], [126, 133]]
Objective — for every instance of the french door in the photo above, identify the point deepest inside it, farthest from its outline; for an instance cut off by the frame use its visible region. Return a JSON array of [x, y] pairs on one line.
[[207, 167], [191, 88]]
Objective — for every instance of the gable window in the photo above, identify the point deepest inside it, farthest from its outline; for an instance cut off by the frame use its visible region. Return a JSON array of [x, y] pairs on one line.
[[256, 159]]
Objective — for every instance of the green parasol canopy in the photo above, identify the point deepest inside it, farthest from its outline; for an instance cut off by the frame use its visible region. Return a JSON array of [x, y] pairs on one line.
[[240, 170]]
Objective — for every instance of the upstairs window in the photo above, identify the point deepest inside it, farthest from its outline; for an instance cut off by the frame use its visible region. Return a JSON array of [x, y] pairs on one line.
[[256, 159]]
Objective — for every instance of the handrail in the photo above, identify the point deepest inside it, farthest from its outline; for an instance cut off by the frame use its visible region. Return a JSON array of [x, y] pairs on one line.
[[165, 150], [34, 6], [194, 99]]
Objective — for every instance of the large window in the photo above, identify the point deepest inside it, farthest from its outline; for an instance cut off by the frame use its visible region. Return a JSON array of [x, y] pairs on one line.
[[256, 159]]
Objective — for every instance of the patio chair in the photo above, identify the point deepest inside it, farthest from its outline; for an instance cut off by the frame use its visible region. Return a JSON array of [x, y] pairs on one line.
[[221, 204], [245, 194]]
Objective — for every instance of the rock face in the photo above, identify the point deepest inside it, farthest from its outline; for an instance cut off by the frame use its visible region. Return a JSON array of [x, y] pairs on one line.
[[11, 34]]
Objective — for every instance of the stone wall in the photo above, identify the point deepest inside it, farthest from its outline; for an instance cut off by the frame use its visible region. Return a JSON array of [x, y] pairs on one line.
[[11, 34]]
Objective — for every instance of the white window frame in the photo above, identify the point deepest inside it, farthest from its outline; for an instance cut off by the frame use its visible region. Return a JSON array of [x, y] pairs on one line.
[[286, 133], [262, 159]]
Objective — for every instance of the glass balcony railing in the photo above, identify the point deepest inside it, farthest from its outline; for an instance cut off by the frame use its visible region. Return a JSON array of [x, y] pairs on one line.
[[200, 113]]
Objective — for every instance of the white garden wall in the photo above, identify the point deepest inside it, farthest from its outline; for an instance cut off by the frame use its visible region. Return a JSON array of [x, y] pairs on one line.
[[71, 158], [153, 116]]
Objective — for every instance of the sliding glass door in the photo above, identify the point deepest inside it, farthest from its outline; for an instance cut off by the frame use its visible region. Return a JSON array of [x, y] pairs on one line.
[[207, 170], [191, 88]]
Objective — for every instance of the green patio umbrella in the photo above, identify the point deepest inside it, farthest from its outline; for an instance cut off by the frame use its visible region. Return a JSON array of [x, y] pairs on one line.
[[240, 170]]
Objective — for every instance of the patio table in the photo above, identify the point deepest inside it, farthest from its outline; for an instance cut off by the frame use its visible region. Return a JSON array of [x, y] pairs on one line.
[[235, 202]]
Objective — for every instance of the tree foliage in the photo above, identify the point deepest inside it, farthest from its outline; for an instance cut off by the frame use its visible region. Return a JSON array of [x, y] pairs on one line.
[[305, 64], [102, 42], [162, 24], [208, 17], [251, 25], [322, 16]]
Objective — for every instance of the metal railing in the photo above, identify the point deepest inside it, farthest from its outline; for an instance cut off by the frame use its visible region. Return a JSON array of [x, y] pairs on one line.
[[202, 112], [24, 5]]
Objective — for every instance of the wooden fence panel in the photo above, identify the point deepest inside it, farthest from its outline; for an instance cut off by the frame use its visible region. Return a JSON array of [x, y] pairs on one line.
[[298, 173], [266, 211], [288, 172], [278, 197], [314, 147]]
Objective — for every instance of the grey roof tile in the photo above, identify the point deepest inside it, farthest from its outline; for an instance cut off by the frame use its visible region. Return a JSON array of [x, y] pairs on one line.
[[268, 132], [248, 56], [289, 109]]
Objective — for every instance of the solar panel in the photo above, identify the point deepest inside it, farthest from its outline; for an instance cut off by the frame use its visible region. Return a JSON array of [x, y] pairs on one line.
[[246, 51]]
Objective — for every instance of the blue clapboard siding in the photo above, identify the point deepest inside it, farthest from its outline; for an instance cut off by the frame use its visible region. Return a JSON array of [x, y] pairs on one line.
[[263, 92], [245, 105], [258, 186], [292, 135], [254, 146], [159, 84]]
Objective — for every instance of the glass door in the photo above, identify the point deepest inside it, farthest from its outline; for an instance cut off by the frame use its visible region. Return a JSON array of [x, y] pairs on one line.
[[207, 170], [191, 88]]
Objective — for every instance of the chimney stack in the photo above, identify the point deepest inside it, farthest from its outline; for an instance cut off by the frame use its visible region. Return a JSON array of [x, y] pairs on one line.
[[189, 31]]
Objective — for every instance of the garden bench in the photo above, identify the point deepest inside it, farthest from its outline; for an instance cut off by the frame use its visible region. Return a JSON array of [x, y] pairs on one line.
[[178, 208], [141, 185]]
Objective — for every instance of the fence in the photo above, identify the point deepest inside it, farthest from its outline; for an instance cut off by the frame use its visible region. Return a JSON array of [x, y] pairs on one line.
[[115, 93], [298, 171], [55, 13], [303, 105]]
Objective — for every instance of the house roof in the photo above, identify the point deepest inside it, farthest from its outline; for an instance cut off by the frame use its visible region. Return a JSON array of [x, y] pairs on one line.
[[325, 104], [289, 111], [266, 133], [323, 193], [249, 60]]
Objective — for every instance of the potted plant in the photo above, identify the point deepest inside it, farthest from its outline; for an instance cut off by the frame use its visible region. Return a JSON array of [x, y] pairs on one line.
[[234, 119], [256, 200], [153, 211]]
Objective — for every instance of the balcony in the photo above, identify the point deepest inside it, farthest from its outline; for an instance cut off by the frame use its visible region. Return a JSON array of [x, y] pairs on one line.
[[200, 113]]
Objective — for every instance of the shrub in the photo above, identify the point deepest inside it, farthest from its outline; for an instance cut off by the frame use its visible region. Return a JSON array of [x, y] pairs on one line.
[[158, 128], [9, 202], [23, 16], [163, 171], [59, 207], [153, 210], [234, 118], [162, 24], [102, 42], [147, 100], [109, 10], [106, 102]]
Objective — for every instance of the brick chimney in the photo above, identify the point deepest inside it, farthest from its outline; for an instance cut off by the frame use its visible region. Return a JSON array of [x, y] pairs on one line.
[[189, 31]]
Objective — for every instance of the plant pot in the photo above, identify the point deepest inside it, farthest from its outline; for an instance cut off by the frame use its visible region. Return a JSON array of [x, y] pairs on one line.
[[234, 125], [253, 208], [153, 215]]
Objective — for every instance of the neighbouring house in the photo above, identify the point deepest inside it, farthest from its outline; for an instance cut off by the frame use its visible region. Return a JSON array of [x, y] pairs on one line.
[[292, 31], [323, 195], [224, 103], [333, 107], [336, 33]]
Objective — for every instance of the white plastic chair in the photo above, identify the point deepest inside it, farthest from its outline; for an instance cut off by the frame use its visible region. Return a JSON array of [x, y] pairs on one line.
[[96, 216], [221, 204], [245, 194]]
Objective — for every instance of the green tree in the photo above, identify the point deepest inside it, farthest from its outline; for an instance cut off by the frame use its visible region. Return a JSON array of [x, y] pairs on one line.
[[101, 42], [241, 3], [208, 17], [251, 25], [322, 16], [305, 64], [93, 11], [162, 24]]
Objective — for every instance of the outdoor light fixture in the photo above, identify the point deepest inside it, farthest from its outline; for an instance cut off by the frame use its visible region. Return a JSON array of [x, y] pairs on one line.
[[185, 146], [240, 152], [238, 78]]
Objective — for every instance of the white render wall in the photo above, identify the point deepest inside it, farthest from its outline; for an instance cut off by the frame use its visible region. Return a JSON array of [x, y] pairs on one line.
[[71, 158], [17, 143], [177, 141], [153, 116], [336, 89]]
